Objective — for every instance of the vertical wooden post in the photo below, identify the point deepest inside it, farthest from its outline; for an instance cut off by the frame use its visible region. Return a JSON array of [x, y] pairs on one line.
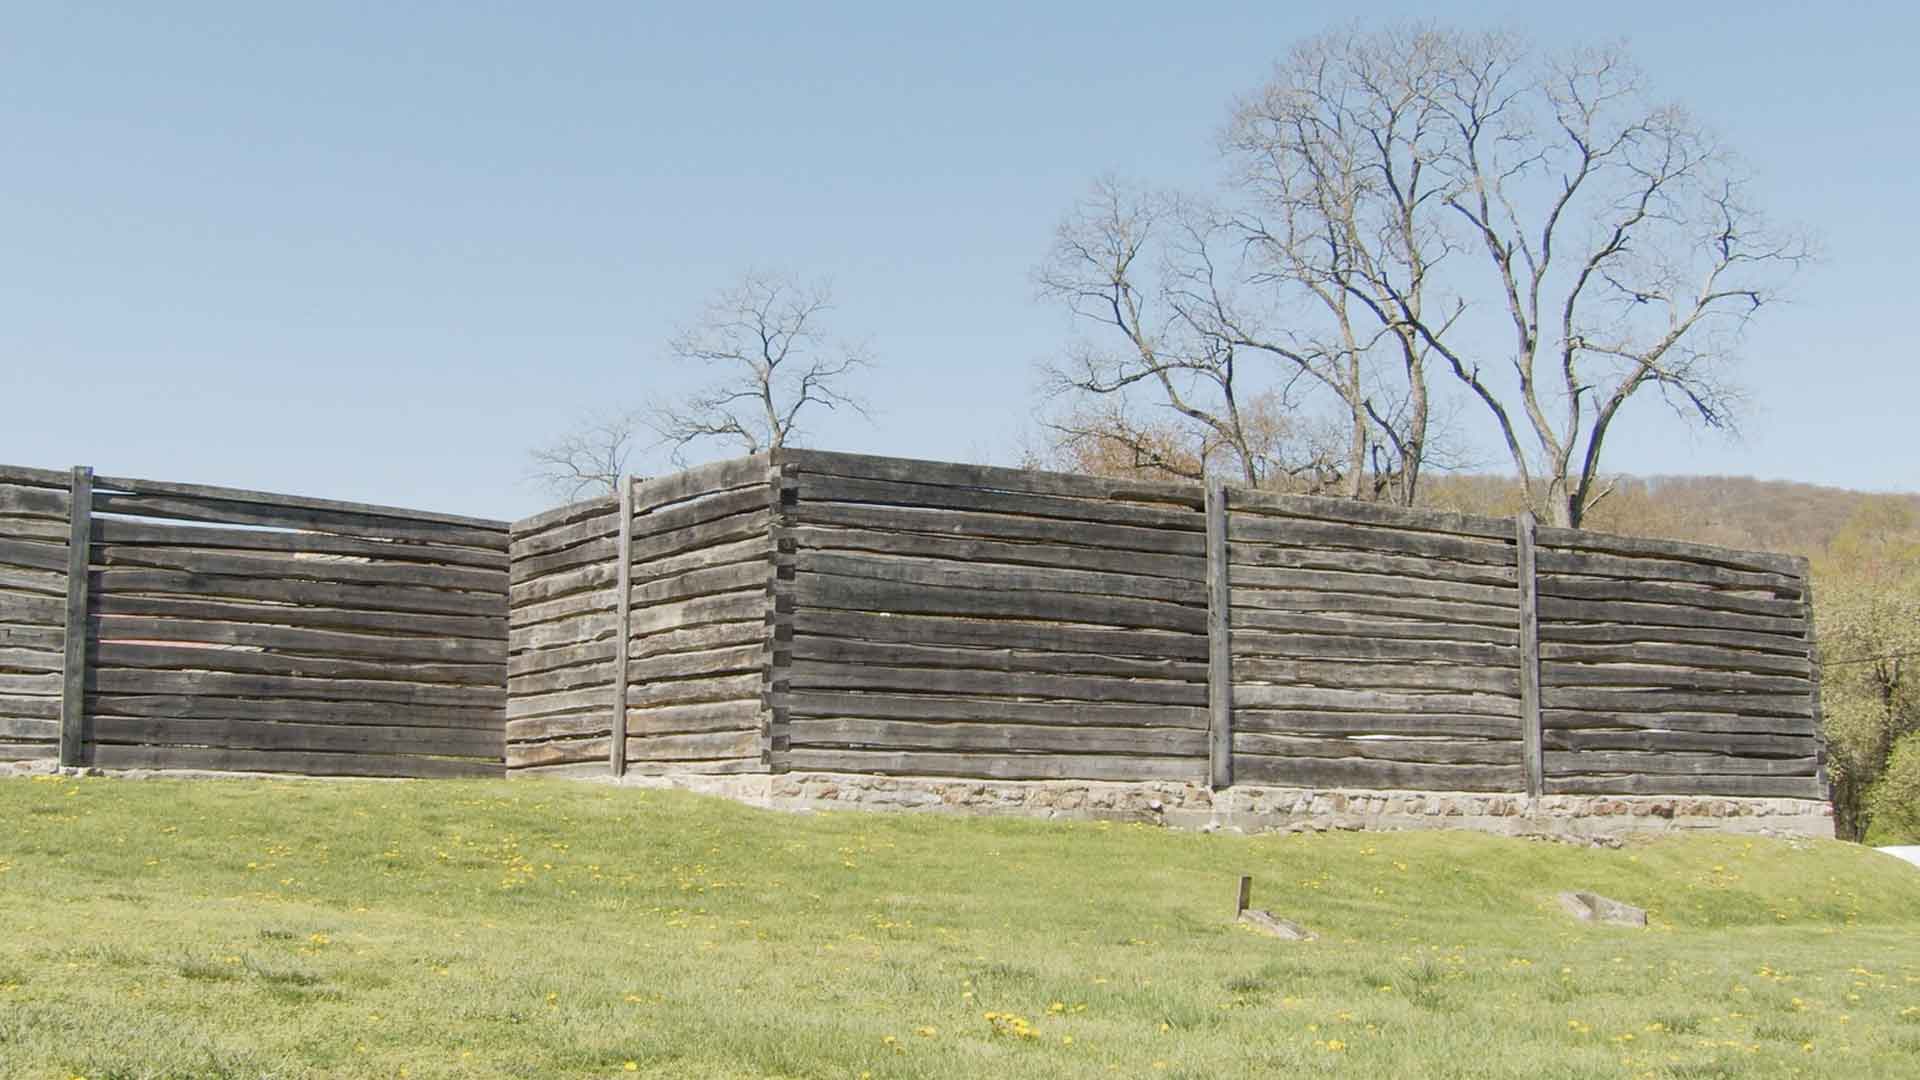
[[1820, 774], [1523, 532], [1245, 898], [775, 737], [623, 629], [73, 692], [1219, 641]]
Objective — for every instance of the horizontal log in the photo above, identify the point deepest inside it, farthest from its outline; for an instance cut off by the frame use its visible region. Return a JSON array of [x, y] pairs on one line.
[[1649, 592], [35, 555], [999, 633], [1376, 775], [696, 583], [168, 534], [36, 685], [1261, 577], [938, 522], [1320, 722], [999, 767], [567, 678], [701, 480], [699, 717], [245, 661], [593, 699], [702, 511], [850, 651], [1757, 787], [563, 726], [31, 706], [565, 537], [864, 594], [1692, 656], [29, 660], [226, 684], [566, 607], [691, 665], [596, 578], [821, 488], [571, 514], [757, 549], [1561, 697], [38, 582], [29, 751], [478, 628], [19, 500], [342, 569], [811, 674], [1301, 697], [1353, 512], [573, 630], [694, 746], [991, 477], [1013, 553], [31, 608], [1423, 751], [702, 611], [1580, 540], [589, 752], [1346, 560], [947, 574], [257, 735], [28, 477], [1683, 678], [698, 638], [690, 691], [535, 661], [17, 729], [48, 638], [334, 643], [753, 525], [192, 706], [276, 500], [110, 756], [861, 733], [1594, 564], [1792, 644], [1741, 744], [714, 767], [1388, 627], [930, 707], [1555, 609], [1356, 675], [392, 598], [1675, 720], [1266, 643], [1404, 606], [1293, 532], [229, 512], [540, 567]]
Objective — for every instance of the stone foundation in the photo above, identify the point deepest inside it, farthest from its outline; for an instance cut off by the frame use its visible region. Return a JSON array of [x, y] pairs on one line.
[[1263, 809]]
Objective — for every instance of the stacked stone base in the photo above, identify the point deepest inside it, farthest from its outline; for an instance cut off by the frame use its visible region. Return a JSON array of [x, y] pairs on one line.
[[1265, 809]]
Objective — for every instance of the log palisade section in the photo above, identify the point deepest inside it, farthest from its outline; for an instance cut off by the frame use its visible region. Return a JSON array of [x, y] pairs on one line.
[[973, 621], [1669, 668], [242, 630], [561, 639], [34, 509], [1373, 647]]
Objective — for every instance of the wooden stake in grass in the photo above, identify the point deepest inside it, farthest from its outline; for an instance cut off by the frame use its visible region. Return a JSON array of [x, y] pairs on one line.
[[1246, 895]]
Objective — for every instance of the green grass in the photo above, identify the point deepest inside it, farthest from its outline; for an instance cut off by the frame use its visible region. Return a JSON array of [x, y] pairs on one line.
[[251, 929]]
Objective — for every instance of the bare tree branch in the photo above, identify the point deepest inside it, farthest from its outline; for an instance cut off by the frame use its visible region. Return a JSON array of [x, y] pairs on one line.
[[587, 461]]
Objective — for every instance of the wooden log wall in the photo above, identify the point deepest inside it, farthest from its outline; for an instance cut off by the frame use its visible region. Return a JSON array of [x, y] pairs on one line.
[[699, 651], [562, 638], [1669, 668], [244, 630], [34, 509], [973, 621], [1373, 647]]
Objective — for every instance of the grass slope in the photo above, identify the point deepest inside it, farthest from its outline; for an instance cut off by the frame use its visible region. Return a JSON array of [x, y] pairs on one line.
[[467, 929]]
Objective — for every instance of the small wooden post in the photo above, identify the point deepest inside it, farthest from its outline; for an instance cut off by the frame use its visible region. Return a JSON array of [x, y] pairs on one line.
[[73, 692], [1246, 895], [1821, 777], [623, 629], [1219, 640], [1529, 654]]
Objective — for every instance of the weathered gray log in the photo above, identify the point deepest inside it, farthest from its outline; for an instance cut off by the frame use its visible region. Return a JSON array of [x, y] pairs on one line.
[[1675, 720], [276, 500], [1562, 697], [1301, 697], [1417, 751], [1634, 546], [289, 568], [30, 660], [1347, 560], [1739, 744], [406, 648], [1691, 656], [1528, 577], [864, 733], [1760, 787], [865, 594], [228, 512], [941, 572], [1594, 564], [1555, 609], [1360, 675], [28, 608], [1000, 767], [1313, 508], [1219, 639], [383, 598], [171, 535], [567, 607], [1001, 527], [688, 719], [224, 684], [970, 550], [581, 579], [1029, 481], [1407, 606], [479, 628], [39, 582], [287, 761], [1260, 577], [1294, 532], [701, 611], [48, 638], [1648, 592], [200, 706], [815, 675], [1675, 763], [741, 687], [567, 678], [598, 722], [37, 707], [1378, 775], [258, 735], [575, 630], [577, 757], [700, 511], [1005, 633], [567, 537], [700, 481], [21, 474], [74, 683], [1663, 676], [695, 746], [752, 549], [571, 513], [697, 538], [696, 583], [1265, 643], [849, 650], [1381, 626], [823, 488], [623, 630], [699, 638], [21, 501], [17, 729], [733, 660], [247, 661], [1311, 722], [1620, 633], [591, 553], [834, 703], [35, 555]]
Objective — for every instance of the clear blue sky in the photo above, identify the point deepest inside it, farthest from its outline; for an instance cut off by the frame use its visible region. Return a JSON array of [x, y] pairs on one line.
[[375, 251]]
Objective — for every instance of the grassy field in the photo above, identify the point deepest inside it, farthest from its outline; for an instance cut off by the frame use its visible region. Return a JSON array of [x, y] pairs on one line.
[[308, 929]]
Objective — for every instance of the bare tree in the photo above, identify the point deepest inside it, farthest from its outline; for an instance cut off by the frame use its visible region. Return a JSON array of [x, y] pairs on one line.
[[587, 461], [774, 363], [1609, 232]]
